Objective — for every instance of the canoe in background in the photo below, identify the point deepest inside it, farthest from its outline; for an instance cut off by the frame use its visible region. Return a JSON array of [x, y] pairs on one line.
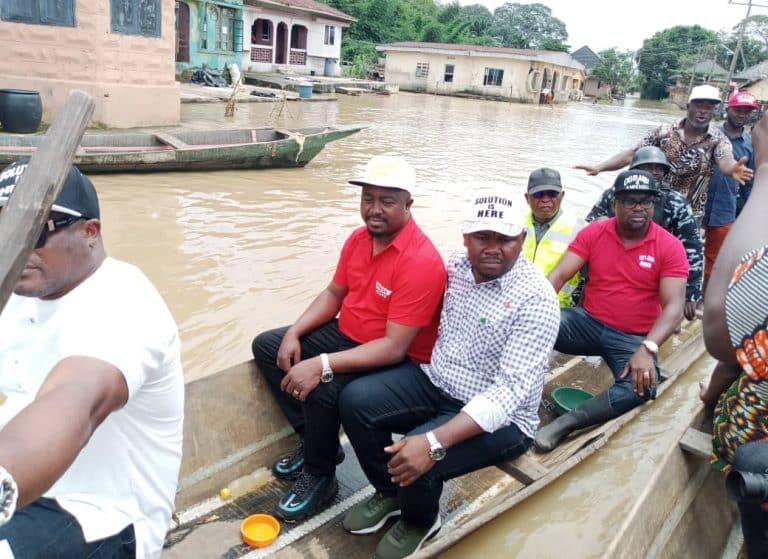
[[188, 150], [233, 427]]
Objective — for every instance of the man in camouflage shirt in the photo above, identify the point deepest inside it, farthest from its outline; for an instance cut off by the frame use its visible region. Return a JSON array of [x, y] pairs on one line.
[[692, 146], [673, 213]]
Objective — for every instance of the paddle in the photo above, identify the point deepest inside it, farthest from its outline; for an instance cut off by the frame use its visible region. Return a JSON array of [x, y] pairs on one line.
[[26, 211]]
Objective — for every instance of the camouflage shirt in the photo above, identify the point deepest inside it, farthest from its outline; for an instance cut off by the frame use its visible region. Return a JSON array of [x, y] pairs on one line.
[[676, 217], [691, 163]]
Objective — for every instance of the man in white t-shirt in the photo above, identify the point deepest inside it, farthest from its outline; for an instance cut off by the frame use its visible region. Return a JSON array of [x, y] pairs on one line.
[[92, 395]]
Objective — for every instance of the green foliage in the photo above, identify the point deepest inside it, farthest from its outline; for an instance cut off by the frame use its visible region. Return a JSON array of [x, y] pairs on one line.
[[529, 26], [670, 51], [614, 68], [388, 21]]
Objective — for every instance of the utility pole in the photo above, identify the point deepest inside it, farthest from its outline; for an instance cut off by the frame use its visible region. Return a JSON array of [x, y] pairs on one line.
[[735, 58]]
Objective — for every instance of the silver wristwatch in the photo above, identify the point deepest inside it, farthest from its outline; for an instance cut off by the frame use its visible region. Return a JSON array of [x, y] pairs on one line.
[[327, 374], [651, 346], [436, 450]]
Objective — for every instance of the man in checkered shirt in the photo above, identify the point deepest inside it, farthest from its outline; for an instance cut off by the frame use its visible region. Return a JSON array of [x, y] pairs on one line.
[[476, 403]]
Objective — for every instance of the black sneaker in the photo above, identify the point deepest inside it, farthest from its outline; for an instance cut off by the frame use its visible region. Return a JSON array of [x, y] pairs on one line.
[[308, 495], [291, 465]]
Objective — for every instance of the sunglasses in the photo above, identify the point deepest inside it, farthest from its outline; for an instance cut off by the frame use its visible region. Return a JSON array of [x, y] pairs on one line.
[[629, 203], [549, 193], [53, 225]]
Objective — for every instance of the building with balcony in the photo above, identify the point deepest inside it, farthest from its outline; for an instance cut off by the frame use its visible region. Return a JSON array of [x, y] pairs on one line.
[[300, 36]]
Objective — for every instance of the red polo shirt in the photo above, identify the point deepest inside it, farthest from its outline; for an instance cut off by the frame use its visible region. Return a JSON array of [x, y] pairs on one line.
[[404, 283], [622, 288]]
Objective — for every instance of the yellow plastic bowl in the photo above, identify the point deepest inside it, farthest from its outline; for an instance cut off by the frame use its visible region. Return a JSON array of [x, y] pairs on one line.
[[259, 530]]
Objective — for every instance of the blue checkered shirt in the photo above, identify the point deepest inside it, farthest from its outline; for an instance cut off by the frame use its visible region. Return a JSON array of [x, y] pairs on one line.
[[494, 343]]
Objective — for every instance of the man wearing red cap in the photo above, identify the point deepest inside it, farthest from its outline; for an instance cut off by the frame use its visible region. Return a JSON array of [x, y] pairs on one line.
[[724, 194]]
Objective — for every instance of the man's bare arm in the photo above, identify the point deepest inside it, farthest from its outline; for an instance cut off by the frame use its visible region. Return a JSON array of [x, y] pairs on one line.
[[618, 161], [568, 266]]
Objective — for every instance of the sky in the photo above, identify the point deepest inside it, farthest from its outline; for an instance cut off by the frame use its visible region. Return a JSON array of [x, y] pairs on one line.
[[602, 24]]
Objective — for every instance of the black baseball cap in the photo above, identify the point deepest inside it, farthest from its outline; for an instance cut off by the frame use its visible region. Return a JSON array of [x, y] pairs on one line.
[[635, 181], [77, 196], [544, 179]]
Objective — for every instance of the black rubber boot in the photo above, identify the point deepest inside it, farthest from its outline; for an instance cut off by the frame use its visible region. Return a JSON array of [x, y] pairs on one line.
[[595, 410]]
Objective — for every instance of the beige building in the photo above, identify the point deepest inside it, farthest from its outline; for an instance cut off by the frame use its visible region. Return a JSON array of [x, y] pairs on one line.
[[520, 75], [121, 52]]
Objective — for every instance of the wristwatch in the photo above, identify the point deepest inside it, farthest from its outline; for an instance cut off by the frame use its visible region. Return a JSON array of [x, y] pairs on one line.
[[651, 346], [327, 374], [436, 450]]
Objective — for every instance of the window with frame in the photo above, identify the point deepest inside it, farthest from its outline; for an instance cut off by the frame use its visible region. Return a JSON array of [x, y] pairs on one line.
[[225, 23], [330, 35], [422, 69], [266, 30], [448, 77], [493, 76], [136, 17], [42, 12]]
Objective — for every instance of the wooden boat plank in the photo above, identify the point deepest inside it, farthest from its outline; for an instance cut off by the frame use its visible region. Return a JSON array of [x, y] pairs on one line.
[[525, 469], [697, 442], [172, 141]]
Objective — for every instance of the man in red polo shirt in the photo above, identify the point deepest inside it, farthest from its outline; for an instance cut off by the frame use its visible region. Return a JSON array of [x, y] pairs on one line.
[[387, 291], [633, 300]]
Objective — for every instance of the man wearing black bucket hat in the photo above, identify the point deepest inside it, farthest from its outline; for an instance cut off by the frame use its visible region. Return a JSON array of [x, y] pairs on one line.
[[633, 300], [93, 394]]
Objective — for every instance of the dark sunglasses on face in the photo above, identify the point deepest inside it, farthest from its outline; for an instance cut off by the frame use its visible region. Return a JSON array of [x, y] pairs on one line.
[[52, 225], [548, 193], [629, 203]]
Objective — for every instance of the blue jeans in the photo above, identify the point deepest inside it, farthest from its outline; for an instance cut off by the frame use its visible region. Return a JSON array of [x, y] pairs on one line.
[[753, 457], [401, 399], [580, 334], [44, 530]]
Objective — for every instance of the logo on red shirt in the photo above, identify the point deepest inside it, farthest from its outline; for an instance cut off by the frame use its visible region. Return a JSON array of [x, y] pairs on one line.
[[382, 291], [646, 261]]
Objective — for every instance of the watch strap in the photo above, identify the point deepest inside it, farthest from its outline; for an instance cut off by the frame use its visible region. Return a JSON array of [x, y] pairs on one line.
[[326, 363]]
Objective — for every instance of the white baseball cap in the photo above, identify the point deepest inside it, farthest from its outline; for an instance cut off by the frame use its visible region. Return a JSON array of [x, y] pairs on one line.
[[704, 93], [388, 171], [495, 210]]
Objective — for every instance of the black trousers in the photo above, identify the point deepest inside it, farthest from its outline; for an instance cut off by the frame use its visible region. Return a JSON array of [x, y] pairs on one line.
[[317, 418]]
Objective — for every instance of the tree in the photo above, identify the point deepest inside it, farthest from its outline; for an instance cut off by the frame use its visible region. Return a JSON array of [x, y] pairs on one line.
[[757, 26], [529, 26], [614, 68], [670, 51], [480, 19]]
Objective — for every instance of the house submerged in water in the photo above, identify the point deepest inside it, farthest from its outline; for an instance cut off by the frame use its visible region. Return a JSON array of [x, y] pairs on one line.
[[521, 75]]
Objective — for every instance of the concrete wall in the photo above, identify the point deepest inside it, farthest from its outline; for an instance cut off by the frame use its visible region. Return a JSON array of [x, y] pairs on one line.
[[317, 50], [522, 80], [131, 77]]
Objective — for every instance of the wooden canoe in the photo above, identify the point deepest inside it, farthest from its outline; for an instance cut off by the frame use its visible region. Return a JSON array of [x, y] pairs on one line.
[[233, 427], [188, 150]]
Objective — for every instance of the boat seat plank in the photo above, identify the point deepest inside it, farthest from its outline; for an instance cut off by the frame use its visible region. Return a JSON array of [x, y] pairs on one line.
[[79, 150], [696, 442], [524, 469], [172, 141]]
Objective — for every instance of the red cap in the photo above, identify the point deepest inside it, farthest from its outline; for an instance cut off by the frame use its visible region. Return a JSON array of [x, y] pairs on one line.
[[743, 99]]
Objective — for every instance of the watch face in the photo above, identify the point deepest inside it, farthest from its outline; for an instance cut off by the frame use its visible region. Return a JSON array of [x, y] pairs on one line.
[[327, 376], [437, 454]]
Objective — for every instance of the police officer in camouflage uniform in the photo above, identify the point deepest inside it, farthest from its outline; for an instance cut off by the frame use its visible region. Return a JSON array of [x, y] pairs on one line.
[[672, 212]]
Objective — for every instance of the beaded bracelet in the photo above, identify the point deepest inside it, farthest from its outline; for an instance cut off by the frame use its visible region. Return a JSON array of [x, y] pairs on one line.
[[9, 494]]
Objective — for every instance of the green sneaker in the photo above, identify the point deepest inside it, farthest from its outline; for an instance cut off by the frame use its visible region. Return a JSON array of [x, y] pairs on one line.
[[370, 515], [404, 539]]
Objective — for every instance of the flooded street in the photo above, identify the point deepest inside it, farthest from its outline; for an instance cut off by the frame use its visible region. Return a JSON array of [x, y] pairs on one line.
[[237, 252]]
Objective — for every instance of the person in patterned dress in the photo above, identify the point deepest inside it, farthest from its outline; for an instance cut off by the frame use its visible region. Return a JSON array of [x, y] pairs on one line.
[[476, 403], [692, 146], [736, 333]]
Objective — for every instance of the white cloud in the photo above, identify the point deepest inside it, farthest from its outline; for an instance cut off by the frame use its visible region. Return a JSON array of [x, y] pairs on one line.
[[624, 24]]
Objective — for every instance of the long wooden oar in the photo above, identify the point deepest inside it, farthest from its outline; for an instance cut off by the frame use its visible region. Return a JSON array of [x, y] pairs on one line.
[[28, 207]]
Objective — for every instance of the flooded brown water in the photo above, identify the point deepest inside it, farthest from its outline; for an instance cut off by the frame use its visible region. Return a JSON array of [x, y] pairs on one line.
[[237, 252]]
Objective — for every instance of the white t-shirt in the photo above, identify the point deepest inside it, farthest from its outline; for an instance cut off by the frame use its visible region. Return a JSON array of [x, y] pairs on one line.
[[128, 471]]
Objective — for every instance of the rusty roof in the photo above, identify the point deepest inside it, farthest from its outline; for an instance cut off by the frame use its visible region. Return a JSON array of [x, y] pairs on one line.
[[307, 5]]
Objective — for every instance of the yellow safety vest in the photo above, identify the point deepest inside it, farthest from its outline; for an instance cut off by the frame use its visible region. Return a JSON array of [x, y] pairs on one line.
[[547, 254]]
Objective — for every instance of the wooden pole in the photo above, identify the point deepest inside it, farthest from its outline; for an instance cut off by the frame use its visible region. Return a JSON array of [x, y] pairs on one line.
[[27, 210]]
